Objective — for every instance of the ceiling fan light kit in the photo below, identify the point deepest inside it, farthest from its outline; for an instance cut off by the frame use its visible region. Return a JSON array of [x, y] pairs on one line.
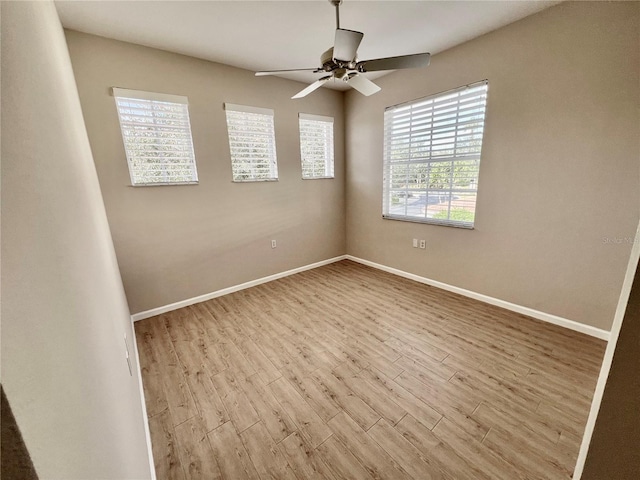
[[341, 62]]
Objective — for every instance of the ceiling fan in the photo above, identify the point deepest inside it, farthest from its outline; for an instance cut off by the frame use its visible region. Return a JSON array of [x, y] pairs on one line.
[[340, 62]]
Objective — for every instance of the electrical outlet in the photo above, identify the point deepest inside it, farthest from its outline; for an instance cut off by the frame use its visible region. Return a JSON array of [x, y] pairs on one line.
[[273, 244], [423, 244], [415, 243]]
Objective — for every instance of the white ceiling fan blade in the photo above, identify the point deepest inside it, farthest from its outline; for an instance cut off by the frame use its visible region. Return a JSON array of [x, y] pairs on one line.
[[394, 63], [363, 85], [315, 85], [278, 72], [346, 44]]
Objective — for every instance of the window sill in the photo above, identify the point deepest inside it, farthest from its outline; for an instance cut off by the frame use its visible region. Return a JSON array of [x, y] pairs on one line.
[[428, 221], [162, 184], [254, 180]]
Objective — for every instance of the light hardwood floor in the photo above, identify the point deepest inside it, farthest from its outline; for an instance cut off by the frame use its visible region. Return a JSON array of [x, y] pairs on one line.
[[346, 372]]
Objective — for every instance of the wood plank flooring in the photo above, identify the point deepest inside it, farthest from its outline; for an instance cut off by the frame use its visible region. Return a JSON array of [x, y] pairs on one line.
[[346, 372]]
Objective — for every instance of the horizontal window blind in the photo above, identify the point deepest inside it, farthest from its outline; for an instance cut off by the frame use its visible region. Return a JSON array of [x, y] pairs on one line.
[[432, 150], [157, 137], [252, 143], [316, 146]]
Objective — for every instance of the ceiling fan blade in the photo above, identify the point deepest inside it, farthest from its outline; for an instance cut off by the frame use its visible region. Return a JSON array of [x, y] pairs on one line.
[[363, 85], [278, 72], [346, 44], [394, 63], [315, 85]]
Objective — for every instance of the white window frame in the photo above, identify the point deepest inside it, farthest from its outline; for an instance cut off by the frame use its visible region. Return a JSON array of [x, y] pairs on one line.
[[248, 166], [141, 113], [432, 150], [316, 146]]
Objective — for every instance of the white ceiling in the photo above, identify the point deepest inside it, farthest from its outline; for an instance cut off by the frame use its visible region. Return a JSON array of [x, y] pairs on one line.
[[272, 35]]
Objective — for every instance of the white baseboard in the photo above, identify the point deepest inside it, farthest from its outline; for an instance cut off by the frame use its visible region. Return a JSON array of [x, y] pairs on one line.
[[147, 432], [545, 317], [225, 291]]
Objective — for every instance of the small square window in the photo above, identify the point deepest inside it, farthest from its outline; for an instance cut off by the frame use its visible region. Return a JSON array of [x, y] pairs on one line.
[[316, 146], [252, 143], [156, 133]]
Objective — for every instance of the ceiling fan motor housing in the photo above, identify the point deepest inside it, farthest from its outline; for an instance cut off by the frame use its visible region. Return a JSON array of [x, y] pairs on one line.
[[329, 64]]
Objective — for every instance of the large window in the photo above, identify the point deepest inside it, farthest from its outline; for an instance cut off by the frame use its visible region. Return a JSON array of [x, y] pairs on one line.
[[432, 152], [157, 137], [252, 143], [316, 146]]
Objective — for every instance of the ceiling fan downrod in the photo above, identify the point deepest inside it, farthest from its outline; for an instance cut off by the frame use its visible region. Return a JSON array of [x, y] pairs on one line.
[[336, 3]]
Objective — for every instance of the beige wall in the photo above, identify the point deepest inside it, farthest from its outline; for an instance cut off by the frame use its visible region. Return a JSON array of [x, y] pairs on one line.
[[64, 311], [177, 242], [560, 164]]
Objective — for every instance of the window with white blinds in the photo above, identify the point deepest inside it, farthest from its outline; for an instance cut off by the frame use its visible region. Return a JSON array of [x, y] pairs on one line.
[[432, 152], [316, 146], [157, 137], [252, 142]]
